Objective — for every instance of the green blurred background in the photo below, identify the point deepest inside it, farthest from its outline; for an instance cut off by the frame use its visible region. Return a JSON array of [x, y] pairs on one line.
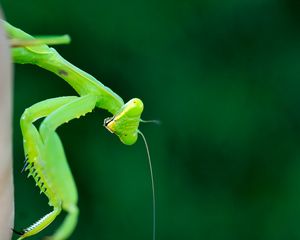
[[222, 76]]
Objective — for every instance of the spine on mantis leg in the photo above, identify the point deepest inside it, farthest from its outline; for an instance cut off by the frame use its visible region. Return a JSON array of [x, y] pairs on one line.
[[49, 59]]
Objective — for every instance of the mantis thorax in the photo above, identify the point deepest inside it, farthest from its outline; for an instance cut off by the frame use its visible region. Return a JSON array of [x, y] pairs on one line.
[[125, 122]]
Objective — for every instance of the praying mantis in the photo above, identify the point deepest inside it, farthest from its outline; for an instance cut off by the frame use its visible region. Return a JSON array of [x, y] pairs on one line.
[[45, 158]]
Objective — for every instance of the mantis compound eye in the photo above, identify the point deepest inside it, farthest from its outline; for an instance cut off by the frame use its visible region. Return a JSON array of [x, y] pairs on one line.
[[125, 123]]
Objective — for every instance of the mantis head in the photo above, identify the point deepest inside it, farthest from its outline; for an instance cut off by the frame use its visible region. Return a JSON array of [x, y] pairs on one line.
[[125, 122]]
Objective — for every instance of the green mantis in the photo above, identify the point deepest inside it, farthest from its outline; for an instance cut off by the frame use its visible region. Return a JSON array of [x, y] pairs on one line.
[[45, 158]]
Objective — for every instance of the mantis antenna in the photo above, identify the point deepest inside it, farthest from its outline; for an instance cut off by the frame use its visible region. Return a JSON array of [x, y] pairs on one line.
[[152, 185], [151, 121]]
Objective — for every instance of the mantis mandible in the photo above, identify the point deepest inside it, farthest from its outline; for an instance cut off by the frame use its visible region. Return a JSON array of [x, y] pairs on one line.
[[45, 158]]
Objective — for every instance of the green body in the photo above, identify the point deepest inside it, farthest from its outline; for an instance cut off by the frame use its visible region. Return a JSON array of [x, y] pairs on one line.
[[45, 158]]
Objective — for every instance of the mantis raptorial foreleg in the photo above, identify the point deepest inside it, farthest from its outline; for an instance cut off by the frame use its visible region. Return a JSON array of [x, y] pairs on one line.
[[38, 157], [49, 150]]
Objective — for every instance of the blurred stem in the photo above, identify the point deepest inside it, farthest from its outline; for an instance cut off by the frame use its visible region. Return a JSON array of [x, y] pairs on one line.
[[6, 176]]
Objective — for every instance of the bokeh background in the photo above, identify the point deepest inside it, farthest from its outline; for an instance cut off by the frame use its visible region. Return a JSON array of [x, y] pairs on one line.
[[223, 78]]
